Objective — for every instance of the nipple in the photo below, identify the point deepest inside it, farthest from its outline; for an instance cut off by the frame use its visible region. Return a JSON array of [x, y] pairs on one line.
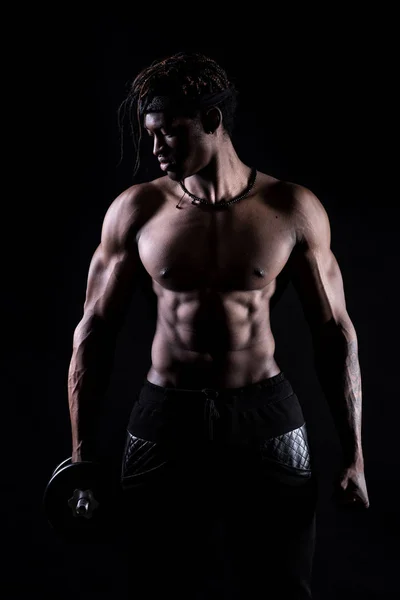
[[165, 272]]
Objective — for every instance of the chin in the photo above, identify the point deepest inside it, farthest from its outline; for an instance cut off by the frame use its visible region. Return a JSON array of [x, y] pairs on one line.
[[174, 175], [175, 172]]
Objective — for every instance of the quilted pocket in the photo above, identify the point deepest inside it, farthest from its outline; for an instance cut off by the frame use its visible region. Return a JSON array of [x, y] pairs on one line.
[[143, 461], [289, 451]]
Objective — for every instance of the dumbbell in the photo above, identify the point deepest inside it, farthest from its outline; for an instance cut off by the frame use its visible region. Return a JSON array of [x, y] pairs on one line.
[[83, 502], [67, 461]]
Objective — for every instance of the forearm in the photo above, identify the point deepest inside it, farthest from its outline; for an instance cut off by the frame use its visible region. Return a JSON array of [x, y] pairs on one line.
[[338, 370], [88, 379]]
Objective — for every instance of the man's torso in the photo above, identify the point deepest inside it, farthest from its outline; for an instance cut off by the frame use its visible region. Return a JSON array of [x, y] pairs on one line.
[[214, 273]]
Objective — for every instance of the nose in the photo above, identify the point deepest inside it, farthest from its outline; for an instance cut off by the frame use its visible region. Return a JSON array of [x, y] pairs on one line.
[[157, 146]]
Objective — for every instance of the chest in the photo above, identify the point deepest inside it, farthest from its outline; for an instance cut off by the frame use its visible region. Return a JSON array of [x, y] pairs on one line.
[[241, 248]]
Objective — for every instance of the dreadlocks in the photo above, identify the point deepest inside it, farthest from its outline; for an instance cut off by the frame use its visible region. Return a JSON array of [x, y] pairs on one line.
[[187, 77]]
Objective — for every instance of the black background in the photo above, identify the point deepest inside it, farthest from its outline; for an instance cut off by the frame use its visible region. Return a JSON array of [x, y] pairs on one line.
[[316, 107]]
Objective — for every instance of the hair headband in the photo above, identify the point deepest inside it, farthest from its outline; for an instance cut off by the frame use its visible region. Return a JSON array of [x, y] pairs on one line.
[[175, 103]]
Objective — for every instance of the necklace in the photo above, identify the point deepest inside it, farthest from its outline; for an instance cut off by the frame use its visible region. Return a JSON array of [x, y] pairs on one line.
[[223, 203]]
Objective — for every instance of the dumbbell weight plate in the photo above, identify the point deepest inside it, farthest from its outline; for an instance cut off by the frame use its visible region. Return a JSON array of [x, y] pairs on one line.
[[68, 461], [60, 489]]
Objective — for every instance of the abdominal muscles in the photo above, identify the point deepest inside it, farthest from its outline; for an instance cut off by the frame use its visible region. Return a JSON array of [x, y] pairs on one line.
[[216, 339]]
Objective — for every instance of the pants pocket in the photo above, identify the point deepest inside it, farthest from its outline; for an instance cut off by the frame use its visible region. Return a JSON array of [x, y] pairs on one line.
[[288, 455], [144, 462]]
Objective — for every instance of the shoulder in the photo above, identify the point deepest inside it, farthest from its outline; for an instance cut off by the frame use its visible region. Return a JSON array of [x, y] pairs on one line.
[[308, 216], [127, 213], [131, 205], [133, 199], [305, 212]]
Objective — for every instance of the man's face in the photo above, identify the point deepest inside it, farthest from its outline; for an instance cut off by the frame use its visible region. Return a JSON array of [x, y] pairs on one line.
[[179, 143]]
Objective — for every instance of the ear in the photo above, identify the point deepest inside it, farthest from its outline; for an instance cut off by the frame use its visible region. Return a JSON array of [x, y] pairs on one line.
[[211, 119]]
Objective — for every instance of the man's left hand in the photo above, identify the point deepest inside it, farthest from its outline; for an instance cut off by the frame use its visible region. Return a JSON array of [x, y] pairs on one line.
[[350, 490]]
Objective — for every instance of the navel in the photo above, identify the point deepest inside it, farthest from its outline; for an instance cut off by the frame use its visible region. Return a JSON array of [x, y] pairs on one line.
[[165, 272], [259, 272]]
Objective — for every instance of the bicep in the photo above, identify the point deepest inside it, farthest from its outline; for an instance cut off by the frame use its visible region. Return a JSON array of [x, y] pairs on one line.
[[110, 284], [317, 279], [315, 272], [114, 269]]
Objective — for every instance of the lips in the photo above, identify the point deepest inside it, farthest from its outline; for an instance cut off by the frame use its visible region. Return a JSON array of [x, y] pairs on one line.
[[164, 164]]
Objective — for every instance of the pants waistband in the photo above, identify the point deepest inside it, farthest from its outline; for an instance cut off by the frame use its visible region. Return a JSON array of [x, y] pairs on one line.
[[267, 408], [269, 382], [212, 396]]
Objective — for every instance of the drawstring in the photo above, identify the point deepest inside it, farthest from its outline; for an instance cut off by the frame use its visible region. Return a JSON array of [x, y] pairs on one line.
[[210, 408]]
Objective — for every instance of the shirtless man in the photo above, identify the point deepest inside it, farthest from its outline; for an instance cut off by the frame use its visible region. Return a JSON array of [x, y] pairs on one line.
[[219, 241]]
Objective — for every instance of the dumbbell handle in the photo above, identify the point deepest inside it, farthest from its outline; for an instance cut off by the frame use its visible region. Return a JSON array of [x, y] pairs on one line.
[[82, 506], [83, 503]]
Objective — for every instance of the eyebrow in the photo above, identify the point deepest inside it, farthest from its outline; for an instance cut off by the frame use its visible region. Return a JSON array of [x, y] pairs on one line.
[[157, 128], [168, 126], [164, 121]]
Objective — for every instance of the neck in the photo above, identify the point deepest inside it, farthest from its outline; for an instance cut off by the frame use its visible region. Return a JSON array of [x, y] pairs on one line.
[[225, 176]]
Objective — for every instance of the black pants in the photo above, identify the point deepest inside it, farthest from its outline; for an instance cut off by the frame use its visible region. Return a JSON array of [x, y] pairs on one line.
[[220, 493]]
